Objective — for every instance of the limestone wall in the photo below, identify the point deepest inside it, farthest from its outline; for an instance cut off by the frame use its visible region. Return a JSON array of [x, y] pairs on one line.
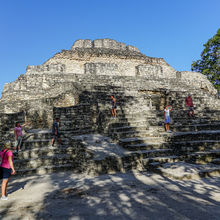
[[59, 81], [100, 57], [198, 80], [103, 43]]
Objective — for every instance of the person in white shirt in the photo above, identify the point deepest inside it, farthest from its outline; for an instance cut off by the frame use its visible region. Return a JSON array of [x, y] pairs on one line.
[[167, 117]]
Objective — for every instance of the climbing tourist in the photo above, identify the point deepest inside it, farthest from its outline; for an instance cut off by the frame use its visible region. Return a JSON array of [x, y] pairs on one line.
[[18, 135], [190, 106], [56, 131], [114, 106], [167, 117], [7, 168]]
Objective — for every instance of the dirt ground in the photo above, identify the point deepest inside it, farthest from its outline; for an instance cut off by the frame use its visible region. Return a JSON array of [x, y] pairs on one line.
[[133, 195]]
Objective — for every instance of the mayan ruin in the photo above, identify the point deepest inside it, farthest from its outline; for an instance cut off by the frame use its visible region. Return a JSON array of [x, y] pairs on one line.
[[110, 110], [76, 85], [94, 128]]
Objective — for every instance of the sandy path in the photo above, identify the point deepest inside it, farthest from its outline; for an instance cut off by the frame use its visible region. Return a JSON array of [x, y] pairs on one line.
[[133, 195]]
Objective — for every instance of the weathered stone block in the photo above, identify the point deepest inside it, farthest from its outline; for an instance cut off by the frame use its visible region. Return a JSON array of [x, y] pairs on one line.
[[52, 68], [113, 44], [98, 43], [178, 75], [101, 68], [133, 49], [149, 71], [82, 44], [109, 44]]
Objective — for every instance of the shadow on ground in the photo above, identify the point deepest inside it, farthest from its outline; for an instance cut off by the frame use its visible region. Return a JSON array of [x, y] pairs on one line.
[[133, 195]]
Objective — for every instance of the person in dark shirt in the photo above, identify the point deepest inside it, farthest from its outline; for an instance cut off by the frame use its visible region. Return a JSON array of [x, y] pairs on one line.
[[189, 104], [56, 131]]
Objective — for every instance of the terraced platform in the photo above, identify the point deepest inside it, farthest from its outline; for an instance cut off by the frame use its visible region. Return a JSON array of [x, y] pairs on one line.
[[75, 85], [95, 143]]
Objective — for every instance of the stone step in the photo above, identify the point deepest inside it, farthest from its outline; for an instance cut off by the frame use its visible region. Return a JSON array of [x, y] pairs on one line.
[[120, 114], [130, 161], [129, 128], [75, 126], [145, 146], [181, 147], [75, 120], [47, 134], [160, 160], [46, 169], [77, 131], [137, 140], [39, 143], [195, 127], [188, 121], [134, 133], [216, 161], [133, 118], [68, 109], [150, 152], [45, 151], [184, 171], [197, 145], [202, 157], [43, 161], [38, 134], [116, 123], [197, 135]]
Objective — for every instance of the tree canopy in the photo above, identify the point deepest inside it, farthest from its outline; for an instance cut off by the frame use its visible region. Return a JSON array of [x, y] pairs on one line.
[[209, 64]]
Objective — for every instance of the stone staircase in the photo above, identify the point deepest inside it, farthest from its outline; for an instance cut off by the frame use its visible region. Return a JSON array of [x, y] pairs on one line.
[[38, 156], [138, 130]]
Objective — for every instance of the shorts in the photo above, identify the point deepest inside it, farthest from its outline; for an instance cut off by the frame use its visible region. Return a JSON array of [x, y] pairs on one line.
[[191, 108], [55, 136], [167, 120], [114, 107], [6, 172]]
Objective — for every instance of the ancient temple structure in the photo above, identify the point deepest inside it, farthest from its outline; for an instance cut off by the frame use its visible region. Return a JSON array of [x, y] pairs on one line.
[[76, 85], [56, 83]]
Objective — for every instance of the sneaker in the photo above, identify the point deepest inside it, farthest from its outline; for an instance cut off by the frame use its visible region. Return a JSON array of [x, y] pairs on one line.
[[4, 198]]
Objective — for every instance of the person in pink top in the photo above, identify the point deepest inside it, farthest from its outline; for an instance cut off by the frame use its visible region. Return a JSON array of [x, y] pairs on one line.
[[18, 135], [189, 104], [7, 167]]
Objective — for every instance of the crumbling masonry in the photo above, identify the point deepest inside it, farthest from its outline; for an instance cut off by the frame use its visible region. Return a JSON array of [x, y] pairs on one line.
[[76, 85]]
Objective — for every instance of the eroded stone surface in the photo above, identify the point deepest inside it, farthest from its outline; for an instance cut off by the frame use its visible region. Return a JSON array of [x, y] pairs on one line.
[[56, 83]]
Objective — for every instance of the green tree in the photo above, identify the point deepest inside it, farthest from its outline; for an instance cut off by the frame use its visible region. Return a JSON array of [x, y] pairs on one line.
[[209, 64]]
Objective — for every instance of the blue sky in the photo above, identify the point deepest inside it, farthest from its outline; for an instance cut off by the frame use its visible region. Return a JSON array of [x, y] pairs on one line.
[[33, 31]]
